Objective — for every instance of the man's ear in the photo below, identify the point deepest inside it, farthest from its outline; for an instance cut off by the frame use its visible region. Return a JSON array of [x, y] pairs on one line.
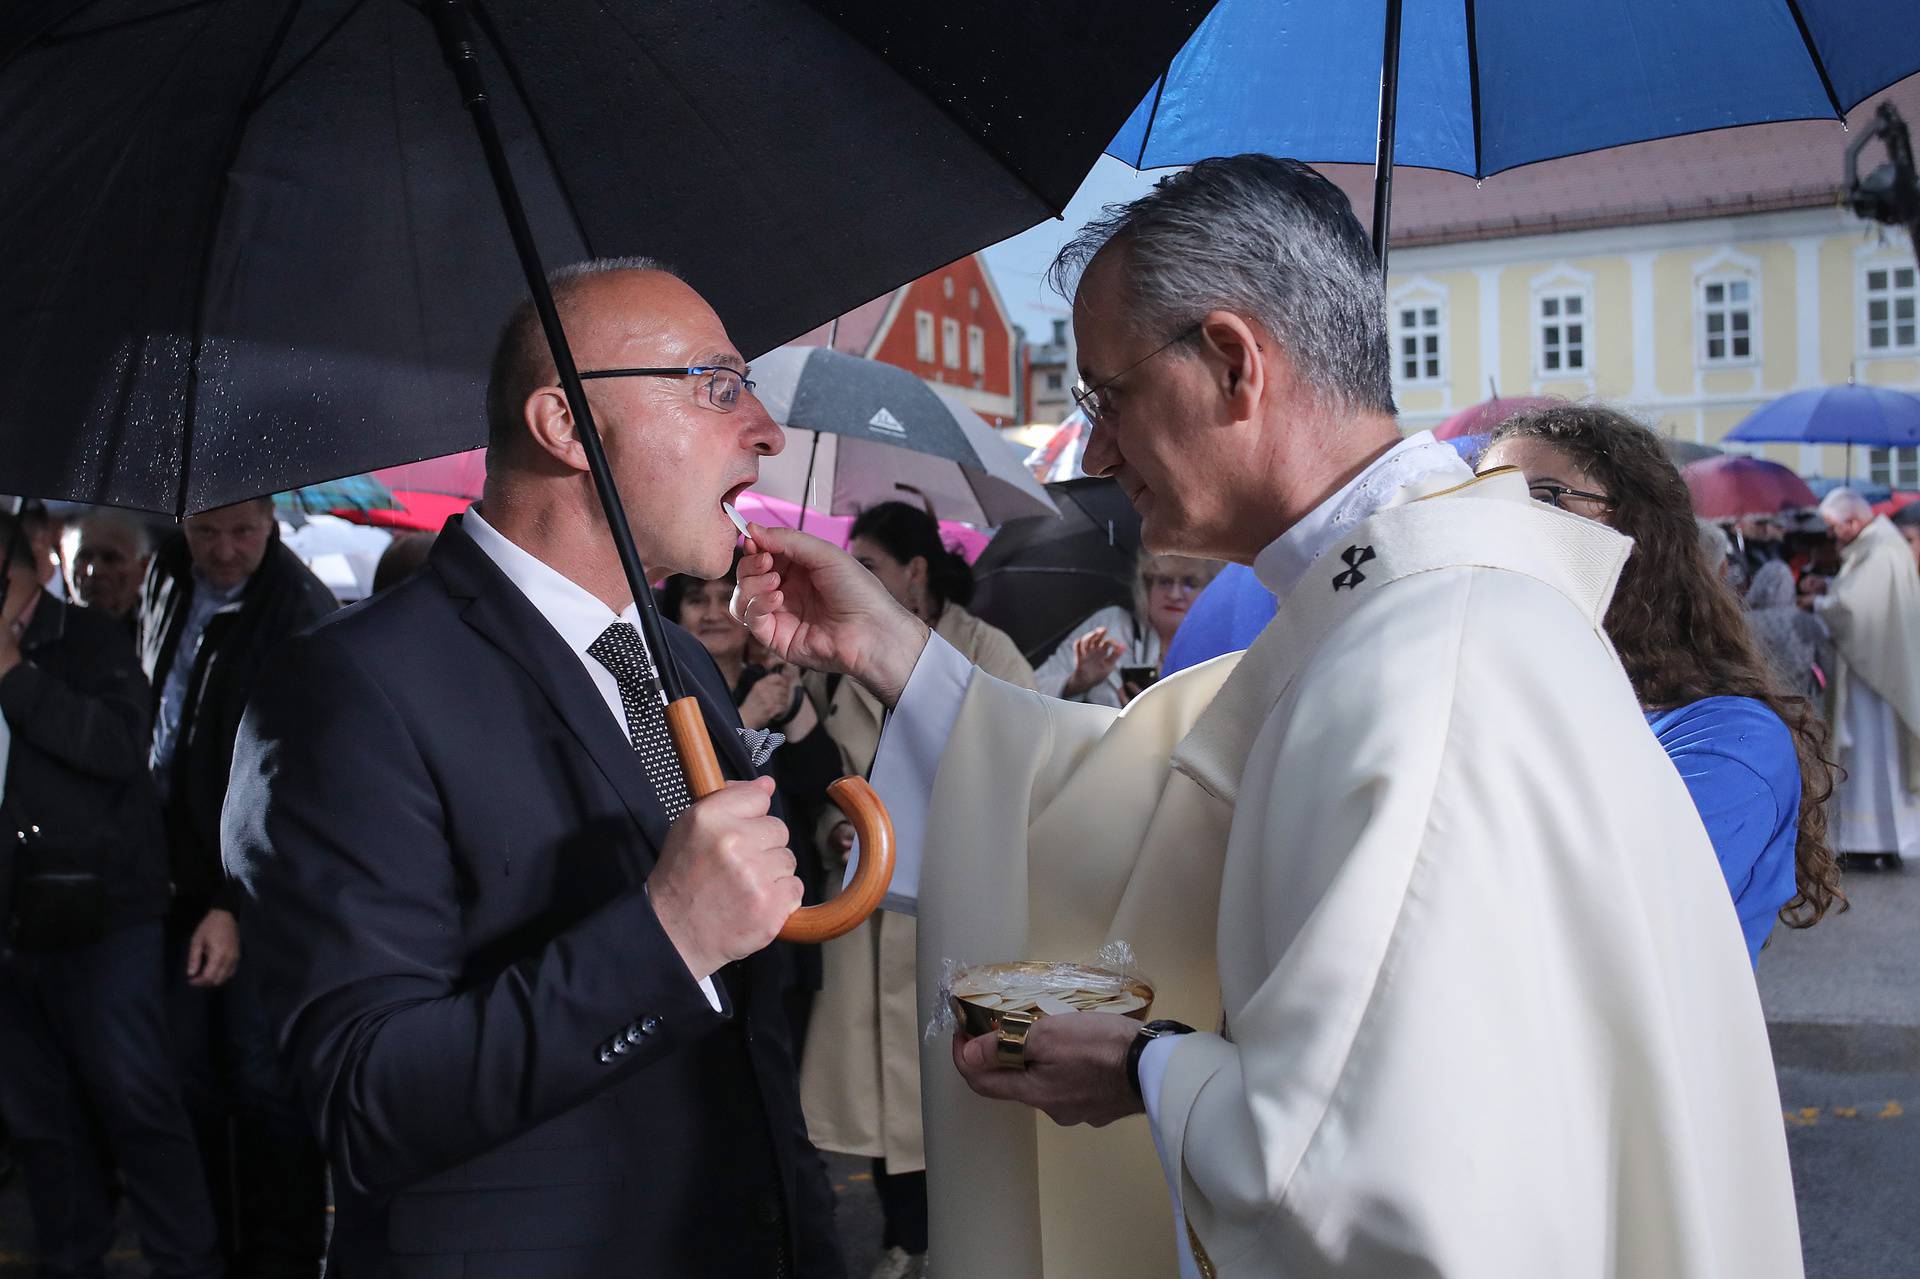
[[549, 422], [1235, 352]]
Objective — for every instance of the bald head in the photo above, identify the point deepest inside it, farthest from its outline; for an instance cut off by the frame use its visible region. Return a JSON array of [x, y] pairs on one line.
[[522, 361], [107, 554], [678, 443], [1846, 513]]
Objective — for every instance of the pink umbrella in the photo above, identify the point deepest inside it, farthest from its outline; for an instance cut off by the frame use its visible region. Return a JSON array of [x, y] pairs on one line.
[[455, 475], [432, 490], [1488, 414], [1730, 486], [775, 512]]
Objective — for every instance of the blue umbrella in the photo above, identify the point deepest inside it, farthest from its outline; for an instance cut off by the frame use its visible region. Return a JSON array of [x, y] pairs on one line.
[[1496, 84], [1847, 414]]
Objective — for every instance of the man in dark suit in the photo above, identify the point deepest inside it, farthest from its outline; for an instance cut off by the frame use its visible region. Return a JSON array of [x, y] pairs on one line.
[[531, 1008]]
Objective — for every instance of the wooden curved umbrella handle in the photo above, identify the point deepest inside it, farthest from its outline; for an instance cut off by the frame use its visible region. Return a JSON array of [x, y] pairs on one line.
[[854, 798], [859, 899]]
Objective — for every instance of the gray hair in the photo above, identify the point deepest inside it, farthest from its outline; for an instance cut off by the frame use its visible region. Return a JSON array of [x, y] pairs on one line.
[[119, 521], [1713, 546], [521, 360], [1845, 504], [1262, 237]]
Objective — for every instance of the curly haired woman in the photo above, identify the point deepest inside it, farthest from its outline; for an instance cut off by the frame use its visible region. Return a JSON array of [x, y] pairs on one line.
[[1751, 753]]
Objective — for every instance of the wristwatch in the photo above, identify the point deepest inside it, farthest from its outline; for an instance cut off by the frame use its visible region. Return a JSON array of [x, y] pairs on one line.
[[1148, 1033]]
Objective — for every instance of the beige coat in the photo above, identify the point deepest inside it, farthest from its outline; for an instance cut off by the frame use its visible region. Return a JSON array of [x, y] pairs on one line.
[[860, 1080], [1486, 1016]]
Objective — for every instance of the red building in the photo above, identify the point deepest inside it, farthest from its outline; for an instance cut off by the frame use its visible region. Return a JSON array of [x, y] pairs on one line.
[[949, 328]]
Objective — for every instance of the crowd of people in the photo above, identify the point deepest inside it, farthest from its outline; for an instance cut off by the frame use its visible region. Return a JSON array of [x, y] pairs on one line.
[[390, 898]]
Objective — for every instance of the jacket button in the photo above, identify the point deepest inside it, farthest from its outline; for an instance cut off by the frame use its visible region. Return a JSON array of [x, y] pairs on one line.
[[649, 1025], [620, 1046], [633, 1035], [606, 1055]]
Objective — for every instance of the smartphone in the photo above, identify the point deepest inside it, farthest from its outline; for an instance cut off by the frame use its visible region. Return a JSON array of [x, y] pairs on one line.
[[1139, 676]]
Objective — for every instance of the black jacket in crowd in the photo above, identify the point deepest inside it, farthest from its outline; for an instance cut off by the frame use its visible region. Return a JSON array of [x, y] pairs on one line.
[[281, 597], [77, 706]]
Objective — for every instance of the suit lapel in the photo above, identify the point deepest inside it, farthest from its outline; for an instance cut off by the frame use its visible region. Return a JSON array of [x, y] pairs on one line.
[[496, 608]]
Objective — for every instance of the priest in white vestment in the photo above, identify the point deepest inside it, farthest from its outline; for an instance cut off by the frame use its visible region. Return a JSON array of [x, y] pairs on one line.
[[1470, 995], [1872, 610]]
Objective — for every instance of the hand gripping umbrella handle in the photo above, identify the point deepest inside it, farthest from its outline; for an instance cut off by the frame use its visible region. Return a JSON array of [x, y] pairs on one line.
[[863, 809]]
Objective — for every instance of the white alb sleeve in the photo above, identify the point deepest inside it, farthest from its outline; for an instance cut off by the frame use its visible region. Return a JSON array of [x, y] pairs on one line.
[[1153, 1071], [909, 758]]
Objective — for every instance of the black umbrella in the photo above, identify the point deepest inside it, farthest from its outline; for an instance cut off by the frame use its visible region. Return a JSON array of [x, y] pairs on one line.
[[253, 244], [249, 244], [1040, 577]]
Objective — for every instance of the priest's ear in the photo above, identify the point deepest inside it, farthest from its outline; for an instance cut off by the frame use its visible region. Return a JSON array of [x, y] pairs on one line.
[[1235, 352]]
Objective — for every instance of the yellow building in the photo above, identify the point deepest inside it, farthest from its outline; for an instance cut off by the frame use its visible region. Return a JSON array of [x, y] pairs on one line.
[[1690, 280]]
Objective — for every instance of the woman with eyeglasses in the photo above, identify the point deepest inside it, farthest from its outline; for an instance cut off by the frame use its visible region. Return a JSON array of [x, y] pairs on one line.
[[1117, 651], [1751, 753]]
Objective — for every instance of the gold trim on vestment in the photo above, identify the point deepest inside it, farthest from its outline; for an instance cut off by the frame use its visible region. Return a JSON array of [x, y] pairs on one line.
[[1495, 473], [1200, 1257]]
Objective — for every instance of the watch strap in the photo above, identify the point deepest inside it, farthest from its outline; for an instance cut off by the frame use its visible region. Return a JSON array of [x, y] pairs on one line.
[[1148, 1033]]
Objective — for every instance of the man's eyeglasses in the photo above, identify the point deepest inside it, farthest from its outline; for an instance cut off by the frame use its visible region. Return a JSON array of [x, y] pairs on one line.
[[1555, 495], [1094, 401], [722, 388]]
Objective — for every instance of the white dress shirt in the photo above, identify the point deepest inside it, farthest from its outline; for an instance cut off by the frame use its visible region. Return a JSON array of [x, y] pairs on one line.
[[578, 617], [909, 756]]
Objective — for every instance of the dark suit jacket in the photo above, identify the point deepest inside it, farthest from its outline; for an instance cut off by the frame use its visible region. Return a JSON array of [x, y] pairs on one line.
[[443, 837], [282, 596]]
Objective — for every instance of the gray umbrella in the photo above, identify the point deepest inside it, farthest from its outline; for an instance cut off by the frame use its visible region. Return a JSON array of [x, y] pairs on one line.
[[861, 432]]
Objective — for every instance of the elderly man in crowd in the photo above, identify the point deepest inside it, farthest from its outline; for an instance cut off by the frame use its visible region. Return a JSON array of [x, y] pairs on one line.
[[1872, 610], [220, 598], [1466, 992], [107, 554]]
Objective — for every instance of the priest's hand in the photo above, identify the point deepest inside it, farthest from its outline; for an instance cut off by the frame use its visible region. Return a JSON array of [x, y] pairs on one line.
[[816, 606], [1076, 1068]]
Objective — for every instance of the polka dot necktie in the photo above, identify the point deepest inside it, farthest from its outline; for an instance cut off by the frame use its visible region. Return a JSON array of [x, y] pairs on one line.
[[621, 651]]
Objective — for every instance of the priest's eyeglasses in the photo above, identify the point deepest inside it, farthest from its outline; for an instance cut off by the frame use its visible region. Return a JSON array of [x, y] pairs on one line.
[[721, 387], [1097, 401], [1556, 495]]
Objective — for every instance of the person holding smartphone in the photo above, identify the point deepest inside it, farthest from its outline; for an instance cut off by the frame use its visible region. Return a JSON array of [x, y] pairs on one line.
[[1117, 651]]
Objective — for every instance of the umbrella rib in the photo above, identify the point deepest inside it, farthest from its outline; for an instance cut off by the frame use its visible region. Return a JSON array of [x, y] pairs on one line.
[[1473, 81], [1819, 63], [244, 117], [484, 21], [1153, 113], [301, 61]]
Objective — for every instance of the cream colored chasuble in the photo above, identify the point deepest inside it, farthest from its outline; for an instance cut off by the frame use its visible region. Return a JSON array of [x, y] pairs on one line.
[[1489, 1006]]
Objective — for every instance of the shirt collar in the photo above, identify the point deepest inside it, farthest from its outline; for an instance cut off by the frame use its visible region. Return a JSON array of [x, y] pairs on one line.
[[1382, 484], [577, 614]]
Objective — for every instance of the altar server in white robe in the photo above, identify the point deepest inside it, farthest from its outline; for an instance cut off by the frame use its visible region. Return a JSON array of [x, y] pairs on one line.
[[1471, 995], [1872, 610]]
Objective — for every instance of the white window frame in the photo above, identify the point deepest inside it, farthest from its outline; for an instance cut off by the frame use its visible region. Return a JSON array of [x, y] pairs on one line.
[[950, 343], [1056, 381], [1894, 268], [1417, 302], [1896, 468], [1559, 293], [1703, 309], [923, 343], [976, 349]]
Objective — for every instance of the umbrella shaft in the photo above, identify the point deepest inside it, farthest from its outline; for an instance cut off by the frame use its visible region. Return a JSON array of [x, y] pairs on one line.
[[1383, 155], [458, 42]]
